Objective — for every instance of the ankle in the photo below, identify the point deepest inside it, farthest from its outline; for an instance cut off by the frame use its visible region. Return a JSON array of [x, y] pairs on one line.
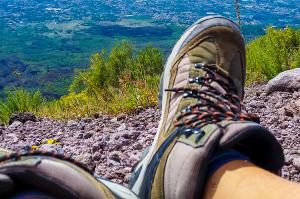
[[223, 157]]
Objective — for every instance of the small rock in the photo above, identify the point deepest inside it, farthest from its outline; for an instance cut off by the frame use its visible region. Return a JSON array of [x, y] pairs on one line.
[[113, 163], [278, 105], [80, 136], [252, 104], [87, 135], [84, 158], [288, 112], [102, 144], [107, 130], [87, 120], [125, 142], [52, 148], [15, 124], [273, 120], [22, 117], [121, 117], [13, 138], [126, 135], [288, 159], [134, 135], [71, 123], [153, 131], [106, 138], [114, 119], [296, 163], [292, 108], [284, 125], [97, 156], [122, 127], [96, 115], [138, 146], [81, 125], [258, 93], [297, 106], [96, 147], [115, 155]]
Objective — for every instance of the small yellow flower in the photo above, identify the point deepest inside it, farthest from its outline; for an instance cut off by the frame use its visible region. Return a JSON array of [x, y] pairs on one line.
[[34, 147], [51, 141]]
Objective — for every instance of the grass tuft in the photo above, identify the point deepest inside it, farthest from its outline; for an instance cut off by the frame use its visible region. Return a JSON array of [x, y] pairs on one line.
[[19, 101]]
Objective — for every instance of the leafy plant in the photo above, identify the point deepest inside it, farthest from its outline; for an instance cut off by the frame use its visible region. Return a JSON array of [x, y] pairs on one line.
[[124, 62], [273, 53], [115, 82]]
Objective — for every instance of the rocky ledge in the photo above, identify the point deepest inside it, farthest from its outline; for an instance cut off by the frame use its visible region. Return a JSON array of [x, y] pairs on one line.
[[111, 146]]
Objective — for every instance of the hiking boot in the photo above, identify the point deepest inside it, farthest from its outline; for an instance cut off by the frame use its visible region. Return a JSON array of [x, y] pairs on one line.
[[202, 114], [53, 175]]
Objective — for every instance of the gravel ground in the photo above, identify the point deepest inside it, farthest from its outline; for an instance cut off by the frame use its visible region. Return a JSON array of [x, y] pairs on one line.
[[111, 146], [280, 113]]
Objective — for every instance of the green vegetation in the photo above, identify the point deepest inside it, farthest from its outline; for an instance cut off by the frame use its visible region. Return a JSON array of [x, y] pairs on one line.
[[127, 78], [277, 51], [119, 81], [19, 101]]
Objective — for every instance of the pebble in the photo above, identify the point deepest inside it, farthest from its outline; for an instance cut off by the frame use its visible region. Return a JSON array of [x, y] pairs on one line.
[[296, 163], [53, 148], [116, 156], [71, 123], [15, 124], [87, 135]]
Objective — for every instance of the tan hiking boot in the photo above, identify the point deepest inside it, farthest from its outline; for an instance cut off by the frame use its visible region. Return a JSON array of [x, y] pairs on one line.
[[54, 175], [202, 86]]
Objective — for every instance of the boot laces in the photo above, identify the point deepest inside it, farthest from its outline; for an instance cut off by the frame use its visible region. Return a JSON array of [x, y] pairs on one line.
[[212, 106]]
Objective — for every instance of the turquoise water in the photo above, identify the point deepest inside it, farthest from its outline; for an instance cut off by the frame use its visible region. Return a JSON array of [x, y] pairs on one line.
[[43, 42]]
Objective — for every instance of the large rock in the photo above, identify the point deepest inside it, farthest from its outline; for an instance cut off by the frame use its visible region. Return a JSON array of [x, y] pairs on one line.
[[22, 117], [286, 81]]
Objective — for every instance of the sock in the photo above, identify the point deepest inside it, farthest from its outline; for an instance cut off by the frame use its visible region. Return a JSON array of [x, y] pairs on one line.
[[222, 158]]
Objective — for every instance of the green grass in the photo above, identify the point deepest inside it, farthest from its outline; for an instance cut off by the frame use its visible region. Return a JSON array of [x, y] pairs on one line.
[[19, 101], [127, 78], [275, 52]]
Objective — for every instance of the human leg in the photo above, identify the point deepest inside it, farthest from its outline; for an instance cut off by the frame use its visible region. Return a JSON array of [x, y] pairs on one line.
[[243, 180]]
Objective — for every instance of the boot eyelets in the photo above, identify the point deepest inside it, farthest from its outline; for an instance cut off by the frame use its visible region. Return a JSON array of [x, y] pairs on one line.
[[197, 131], [200, 136], [191, 80], [187, 109], [186, 95], [188, 132], [199, 65]]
